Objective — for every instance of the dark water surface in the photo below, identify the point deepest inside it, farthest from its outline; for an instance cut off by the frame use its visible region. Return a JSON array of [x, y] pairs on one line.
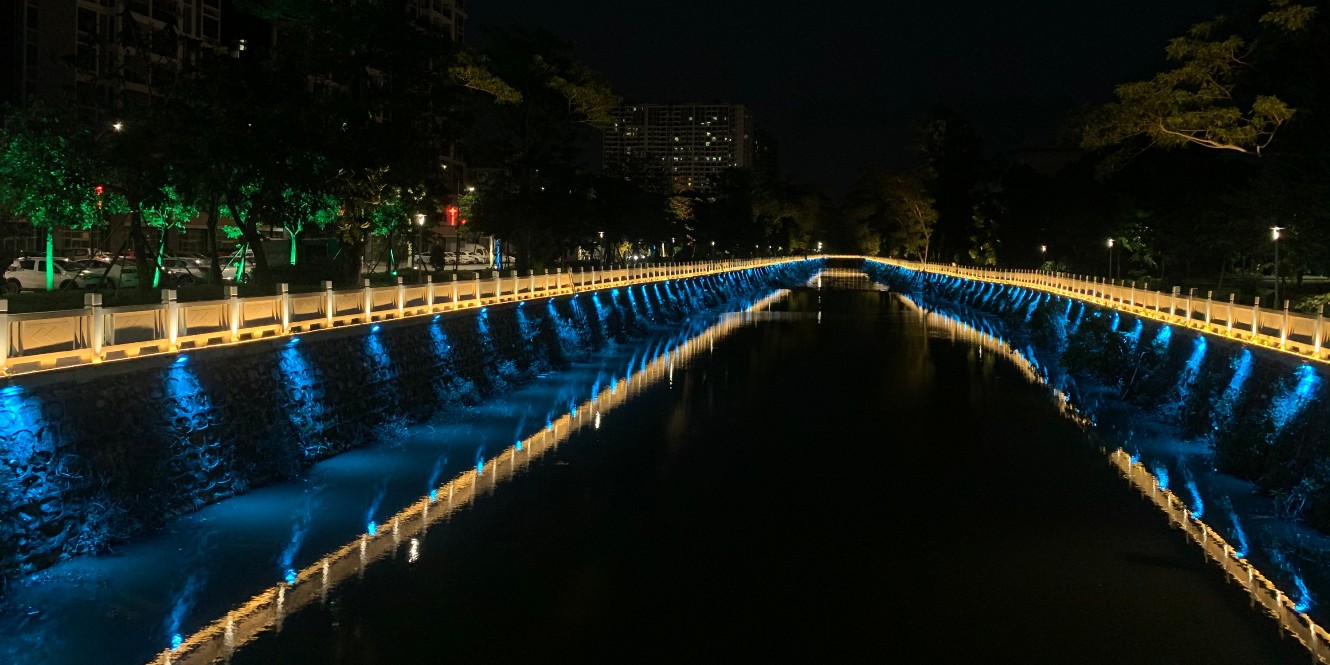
[[836, 483]]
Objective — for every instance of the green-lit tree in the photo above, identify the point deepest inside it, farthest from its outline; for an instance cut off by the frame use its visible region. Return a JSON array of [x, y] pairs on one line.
[[49, 177], [164, 211]]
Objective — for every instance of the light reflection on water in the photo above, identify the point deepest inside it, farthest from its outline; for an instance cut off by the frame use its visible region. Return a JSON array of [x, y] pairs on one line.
[[267, 609]]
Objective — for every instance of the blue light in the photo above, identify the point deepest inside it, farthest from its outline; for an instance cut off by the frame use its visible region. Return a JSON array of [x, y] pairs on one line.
[[1162, 474], [371, 528], [480, 467], [437, 317], [433, 495], [519, 445], [1198, 507], [1286, 407], [1239, 535], [294, 341], [176, 641], [1304, 596], [374, 328], [1164, 336], [181, 359], [290, 576]]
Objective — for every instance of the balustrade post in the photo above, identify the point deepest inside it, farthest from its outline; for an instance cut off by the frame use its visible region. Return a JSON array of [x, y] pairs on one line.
[[284, 298], [1255, 316], [1132, 293], [498, 284], [96, 324], [1316, 331], [429, 293], [477, 283], [329, 302], [1209, 301], [400, 297], [531, 277], [1232, 300], [233, 295], [4, 336], [454, 281], [367, 301], [1191, 294], [172, 309], [1283, 328], [593, 275]]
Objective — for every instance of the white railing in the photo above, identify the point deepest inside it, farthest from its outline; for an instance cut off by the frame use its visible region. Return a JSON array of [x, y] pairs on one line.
[[1296, 333], [50, 340]]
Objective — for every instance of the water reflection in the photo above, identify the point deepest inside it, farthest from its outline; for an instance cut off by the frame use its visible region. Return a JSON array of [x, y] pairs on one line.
[[266, 610], [1289, 608]]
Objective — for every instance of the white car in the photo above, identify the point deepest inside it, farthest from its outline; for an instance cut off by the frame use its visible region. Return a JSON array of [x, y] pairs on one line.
[[28, 273], [177, 272], [231, 265], [123, 274]]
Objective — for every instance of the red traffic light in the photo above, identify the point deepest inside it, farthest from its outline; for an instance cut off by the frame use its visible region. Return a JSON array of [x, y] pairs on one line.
[[99, 189], [452, 216]]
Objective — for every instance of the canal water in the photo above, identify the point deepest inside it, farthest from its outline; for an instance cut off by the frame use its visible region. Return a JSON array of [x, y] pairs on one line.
[[830, 477]]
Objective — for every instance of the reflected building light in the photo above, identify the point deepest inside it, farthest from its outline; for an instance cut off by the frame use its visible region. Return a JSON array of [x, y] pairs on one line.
[[413, 554]]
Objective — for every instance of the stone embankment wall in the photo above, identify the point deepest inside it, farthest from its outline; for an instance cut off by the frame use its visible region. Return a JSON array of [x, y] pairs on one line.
[[92, 456], [1264, 413]]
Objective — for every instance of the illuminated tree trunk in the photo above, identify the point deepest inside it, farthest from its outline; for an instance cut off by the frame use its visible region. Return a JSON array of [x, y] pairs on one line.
[[50, 260]]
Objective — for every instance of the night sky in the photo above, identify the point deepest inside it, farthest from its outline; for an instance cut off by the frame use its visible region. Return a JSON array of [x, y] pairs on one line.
[[838, 82]]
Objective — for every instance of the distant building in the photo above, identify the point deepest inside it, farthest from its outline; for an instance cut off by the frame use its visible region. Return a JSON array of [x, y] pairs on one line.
[[446, 15], [679, 147], [766, 153]]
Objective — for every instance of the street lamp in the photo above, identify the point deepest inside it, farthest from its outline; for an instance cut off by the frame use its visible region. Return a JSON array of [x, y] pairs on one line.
[[1110, 259], [602, 248], [420, 246], [1274, 235], [713, 253]]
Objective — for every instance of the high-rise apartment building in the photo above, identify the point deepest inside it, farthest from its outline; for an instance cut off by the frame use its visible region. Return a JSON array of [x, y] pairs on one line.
[[679, 147], [448, 16], [102, 55]]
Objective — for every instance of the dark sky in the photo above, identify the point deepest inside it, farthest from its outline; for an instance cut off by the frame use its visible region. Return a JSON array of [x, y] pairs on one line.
[[839, 82]]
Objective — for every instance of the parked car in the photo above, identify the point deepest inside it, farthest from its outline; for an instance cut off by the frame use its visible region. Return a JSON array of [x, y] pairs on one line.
[[231, 265], [122, 273], [29, 273], [180, 272]]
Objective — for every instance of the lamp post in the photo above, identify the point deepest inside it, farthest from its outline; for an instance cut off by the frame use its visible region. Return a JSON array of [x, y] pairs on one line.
[[1274, 235], [1110, 259], [602, 248], [420, 247], [712, 262]]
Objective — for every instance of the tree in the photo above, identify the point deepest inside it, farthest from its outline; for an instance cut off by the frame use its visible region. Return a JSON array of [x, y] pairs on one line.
[[164, 211], [898, 206], [532, 130], [955, 172], [49, 177], [1211, 98]]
